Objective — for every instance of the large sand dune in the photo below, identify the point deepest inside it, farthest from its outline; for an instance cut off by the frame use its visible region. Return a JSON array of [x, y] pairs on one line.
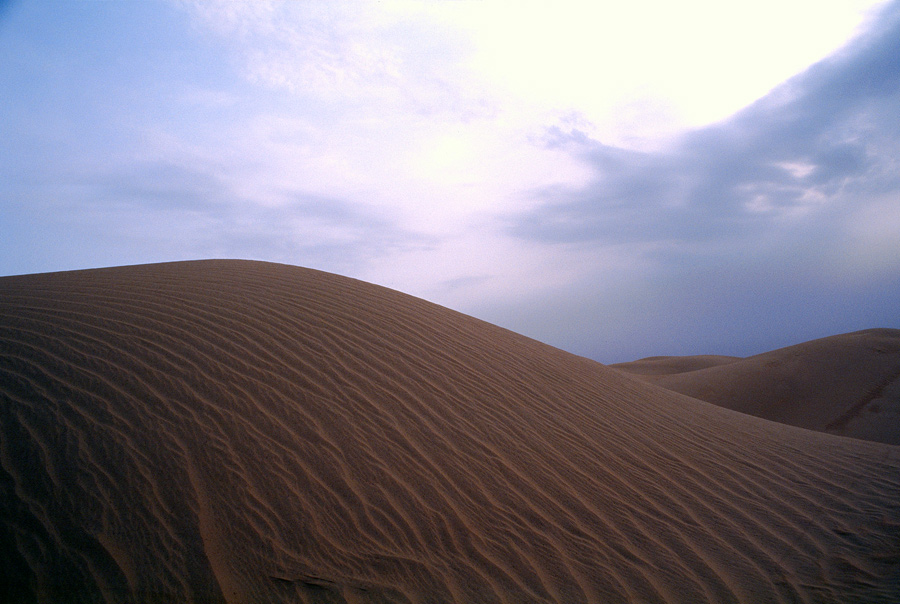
[[249, 432], [847, 384]]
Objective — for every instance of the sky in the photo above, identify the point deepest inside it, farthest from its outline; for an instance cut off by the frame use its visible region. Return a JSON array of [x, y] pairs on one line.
[[616, 179]]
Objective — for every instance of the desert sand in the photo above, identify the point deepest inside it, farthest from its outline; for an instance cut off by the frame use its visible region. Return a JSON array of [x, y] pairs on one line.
[[233, 431], [846, 384]]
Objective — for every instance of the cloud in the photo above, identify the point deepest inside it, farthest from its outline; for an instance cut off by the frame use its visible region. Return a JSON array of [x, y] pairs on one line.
[[155, 186], [357, 55], [165, 210], [747, 234], [299, 226], [822, 137]]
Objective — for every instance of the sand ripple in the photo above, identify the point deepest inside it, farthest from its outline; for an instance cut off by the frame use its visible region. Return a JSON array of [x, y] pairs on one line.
[[248, 432]]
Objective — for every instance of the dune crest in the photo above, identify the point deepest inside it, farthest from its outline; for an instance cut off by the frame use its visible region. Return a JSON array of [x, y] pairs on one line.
[[847, 384], [233, 431]]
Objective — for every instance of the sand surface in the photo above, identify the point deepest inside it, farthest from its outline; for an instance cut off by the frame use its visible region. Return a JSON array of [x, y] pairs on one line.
[[846, 384], [227, 431], [653, 366]]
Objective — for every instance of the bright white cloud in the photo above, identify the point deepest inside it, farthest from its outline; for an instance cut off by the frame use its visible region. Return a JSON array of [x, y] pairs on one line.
[[672, 64]]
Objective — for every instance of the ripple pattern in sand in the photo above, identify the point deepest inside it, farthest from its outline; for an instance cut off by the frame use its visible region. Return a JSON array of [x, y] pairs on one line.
[[247, 432]]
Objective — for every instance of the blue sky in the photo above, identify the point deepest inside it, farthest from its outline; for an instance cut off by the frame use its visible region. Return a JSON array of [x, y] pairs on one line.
[[619, 181]]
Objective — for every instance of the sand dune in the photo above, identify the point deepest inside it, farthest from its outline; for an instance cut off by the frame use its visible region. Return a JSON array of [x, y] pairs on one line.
[[653, 366], [226, 431], [847, 384]]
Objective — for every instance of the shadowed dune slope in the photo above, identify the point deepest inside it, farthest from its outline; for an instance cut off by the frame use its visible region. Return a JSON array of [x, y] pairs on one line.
[[231, 431], [846, 384], [652, 366]]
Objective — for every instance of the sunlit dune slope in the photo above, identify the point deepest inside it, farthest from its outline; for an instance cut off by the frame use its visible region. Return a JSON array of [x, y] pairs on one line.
[[846, 384], [248, 432]]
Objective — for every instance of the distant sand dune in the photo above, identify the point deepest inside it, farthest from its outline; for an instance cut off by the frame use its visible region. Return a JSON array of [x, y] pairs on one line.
[[847, 384], [229, 431]]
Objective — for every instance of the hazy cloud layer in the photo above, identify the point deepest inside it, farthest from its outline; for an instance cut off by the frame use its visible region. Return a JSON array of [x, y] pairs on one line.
[[159, 210]]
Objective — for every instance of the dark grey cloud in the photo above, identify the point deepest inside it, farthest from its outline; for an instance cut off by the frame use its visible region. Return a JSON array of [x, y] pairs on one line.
[[827, 134]]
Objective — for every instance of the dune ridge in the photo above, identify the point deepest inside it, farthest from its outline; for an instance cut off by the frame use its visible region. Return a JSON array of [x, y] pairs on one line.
[[235, 431], [847, 384]]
